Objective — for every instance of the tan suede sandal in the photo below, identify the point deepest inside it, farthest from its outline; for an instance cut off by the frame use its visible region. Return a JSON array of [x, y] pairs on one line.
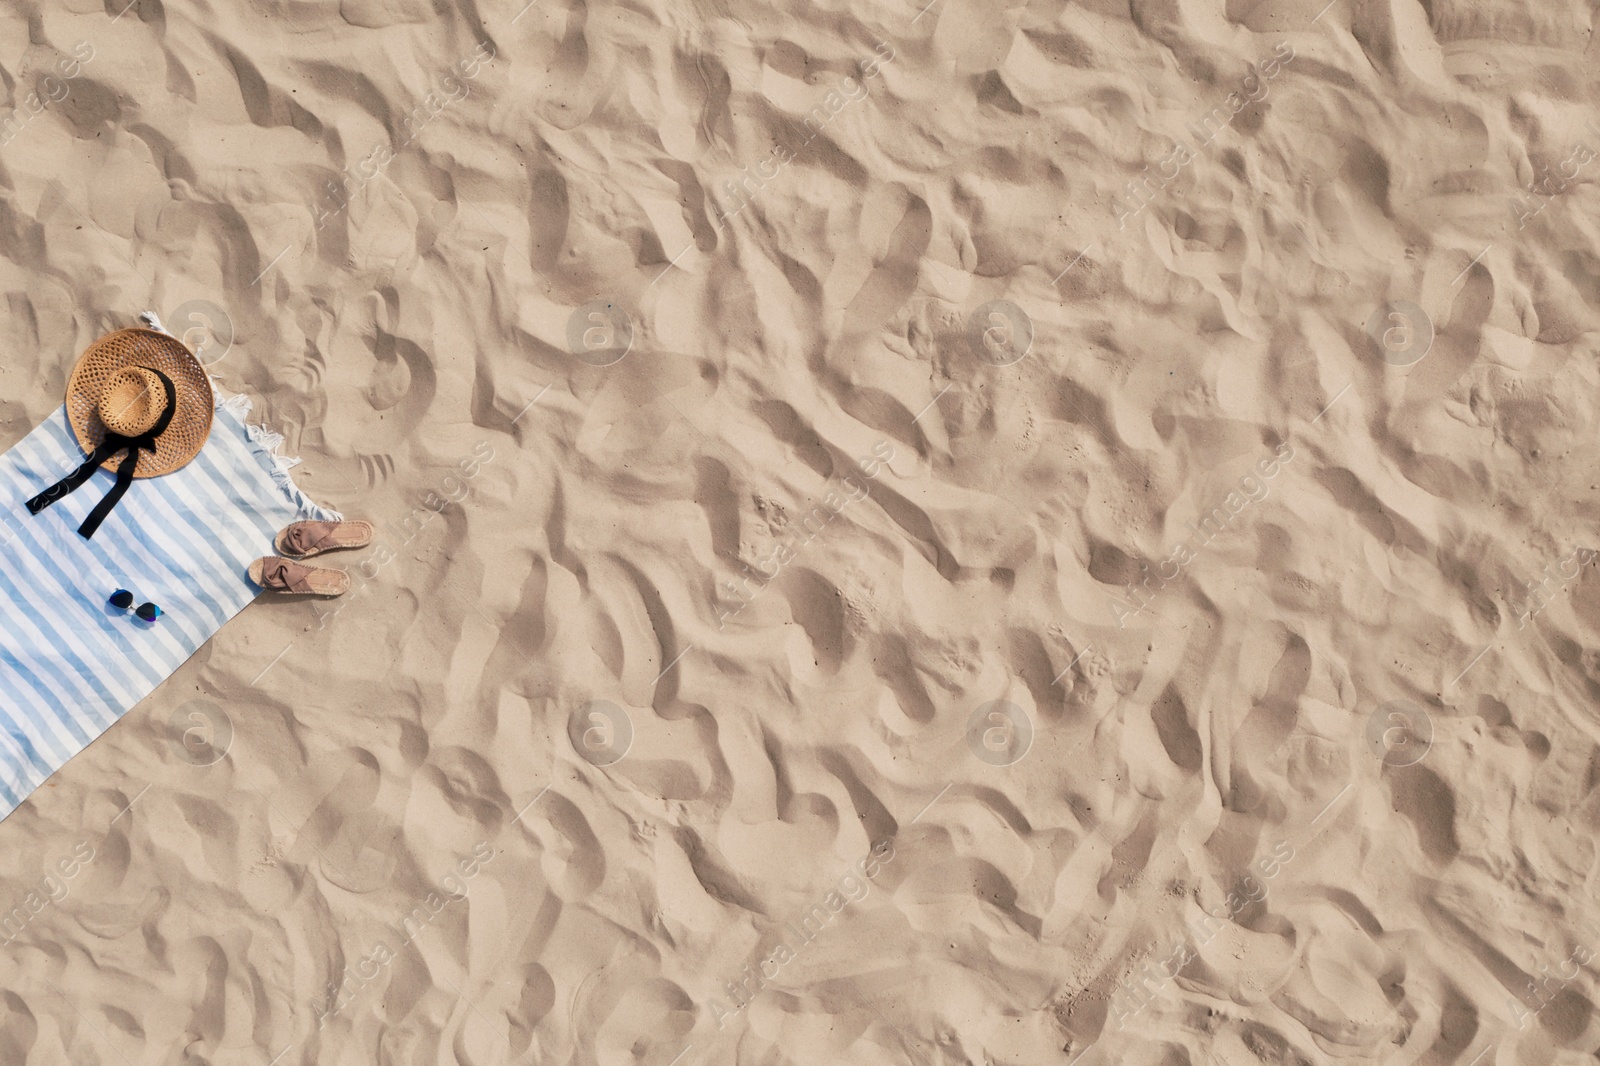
[[292, 578], [305, 539]]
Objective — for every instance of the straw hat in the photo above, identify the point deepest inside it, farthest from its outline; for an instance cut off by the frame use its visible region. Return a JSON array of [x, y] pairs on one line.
[[113, 388]]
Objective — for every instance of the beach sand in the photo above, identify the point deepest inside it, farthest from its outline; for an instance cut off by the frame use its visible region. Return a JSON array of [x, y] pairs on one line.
[[993, 534]]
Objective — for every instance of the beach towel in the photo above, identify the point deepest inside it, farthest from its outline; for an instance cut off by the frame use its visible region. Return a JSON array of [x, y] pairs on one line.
[[70, 664]]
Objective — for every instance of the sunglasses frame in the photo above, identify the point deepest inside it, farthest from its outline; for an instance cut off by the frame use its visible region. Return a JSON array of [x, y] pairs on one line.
[[146, 612]]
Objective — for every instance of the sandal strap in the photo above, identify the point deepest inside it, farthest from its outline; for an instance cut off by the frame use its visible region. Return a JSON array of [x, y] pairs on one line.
[[284, 575], [302, 537]]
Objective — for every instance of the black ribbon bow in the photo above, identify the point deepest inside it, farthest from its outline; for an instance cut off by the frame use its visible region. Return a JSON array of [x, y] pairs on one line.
[[113, 443]]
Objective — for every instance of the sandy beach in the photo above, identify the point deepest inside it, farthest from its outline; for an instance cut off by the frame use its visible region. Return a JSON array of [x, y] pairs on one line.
[[965, 534]]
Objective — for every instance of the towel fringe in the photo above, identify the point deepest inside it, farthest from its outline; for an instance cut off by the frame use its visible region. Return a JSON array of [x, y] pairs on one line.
[[268, 444]]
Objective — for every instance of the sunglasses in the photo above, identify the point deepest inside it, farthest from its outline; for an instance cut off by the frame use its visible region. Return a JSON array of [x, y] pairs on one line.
[[122, 599]]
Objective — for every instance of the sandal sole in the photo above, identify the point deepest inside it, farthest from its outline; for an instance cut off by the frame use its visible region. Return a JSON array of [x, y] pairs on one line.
[[360, 533], [334, 582]]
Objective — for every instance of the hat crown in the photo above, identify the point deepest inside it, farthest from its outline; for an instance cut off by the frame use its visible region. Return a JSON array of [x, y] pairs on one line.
[[133, 401]]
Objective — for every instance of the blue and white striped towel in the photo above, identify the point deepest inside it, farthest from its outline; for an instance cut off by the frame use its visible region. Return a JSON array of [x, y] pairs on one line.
[[70, 664]]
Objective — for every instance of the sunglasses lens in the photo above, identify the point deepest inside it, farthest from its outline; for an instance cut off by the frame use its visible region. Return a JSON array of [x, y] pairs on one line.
[[148, 611], [122, 599]]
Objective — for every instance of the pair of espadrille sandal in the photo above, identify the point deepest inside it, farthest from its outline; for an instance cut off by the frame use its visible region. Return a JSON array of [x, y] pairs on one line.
[[285, 574]]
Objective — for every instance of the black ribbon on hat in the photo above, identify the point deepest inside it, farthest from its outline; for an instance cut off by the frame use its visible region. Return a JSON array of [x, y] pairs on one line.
[[111, 445]]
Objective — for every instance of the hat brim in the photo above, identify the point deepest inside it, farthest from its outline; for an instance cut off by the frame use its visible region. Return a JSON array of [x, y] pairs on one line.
[[195, 400]]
